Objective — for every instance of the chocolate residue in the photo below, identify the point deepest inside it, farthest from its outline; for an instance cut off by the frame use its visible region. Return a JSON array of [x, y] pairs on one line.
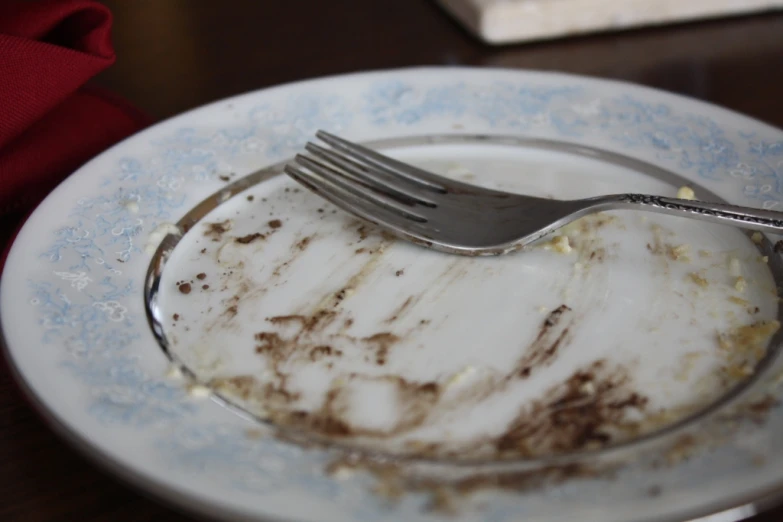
[[546, 345], [302, 243], [184, 288], [250, 197], [587, 411], [244, 240], [308, 323], [381, 343], [201, 276], [321, 351], [275, 223], [215, 231], [392, 481], [415, 400], [330, 419], [400, 310], [248, 388], [759, 410], [363, 232], [524, 480], [270, 343]]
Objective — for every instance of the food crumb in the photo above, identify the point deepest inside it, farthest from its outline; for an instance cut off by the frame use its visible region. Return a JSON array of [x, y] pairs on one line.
[[559, 244], [698, 279], [738, 300], [250, 197], [199, 391], [201, 276], [679, 252], [460, 376], [184, 288], [735, 269], [687, 362], [275, 223], [398, 273], [740, 284], [686, 192], [174, 372], [757, 237]]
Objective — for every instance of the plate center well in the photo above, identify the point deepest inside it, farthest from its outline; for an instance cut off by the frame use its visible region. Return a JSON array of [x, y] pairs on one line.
[[306, 317]]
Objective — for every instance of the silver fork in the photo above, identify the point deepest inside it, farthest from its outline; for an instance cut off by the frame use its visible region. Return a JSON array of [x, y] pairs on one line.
[[460, 218]]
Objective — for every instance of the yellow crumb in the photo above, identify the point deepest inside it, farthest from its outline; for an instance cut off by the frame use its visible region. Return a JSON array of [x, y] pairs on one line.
[[679, 252], [735, 268], [738, 301], [686, 193], [699, 279], [559, 244]]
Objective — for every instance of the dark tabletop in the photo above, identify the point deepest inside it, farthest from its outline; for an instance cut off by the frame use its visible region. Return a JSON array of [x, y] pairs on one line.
[[175, 55]]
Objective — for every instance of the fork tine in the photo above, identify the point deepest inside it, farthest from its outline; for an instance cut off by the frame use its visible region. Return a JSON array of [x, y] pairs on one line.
[[327, 175], [388, 165], [359, 207], [374, 178]]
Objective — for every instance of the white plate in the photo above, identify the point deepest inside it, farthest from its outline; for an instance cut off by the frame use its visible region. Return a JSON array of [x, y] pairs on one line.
[[322, 371]]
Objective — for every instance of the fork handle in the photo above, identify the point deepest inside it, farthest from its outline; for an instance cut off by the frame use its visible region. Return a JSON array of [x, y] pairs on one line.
[[745, 217]]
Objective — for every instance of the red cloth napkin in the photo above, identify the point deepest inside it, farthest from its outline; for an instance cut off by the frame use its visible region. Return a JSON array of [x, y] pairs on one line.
[[50, 123]]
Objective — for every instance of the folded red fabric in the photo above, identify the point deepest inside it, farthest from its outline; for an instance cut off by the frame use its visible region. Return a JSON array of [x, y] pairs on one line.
[[50, 122]]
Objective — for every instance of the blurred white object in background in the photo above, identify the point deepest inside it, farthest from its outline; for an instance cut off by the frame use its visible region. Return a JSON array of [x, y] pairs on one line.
[[509, 21]]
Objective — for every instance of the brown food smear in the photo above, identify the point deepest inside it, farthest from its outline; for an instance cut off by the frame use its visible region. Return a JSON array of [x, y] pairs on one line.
[[400, 309], [321, 351], [547, 344], [244, 240], [382, 343], [587, 411], [215, 231]]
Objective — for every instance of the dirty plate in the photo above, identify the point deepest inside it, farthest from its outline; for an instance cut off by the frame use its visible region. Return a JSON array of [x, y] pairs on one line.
[[192, 318]]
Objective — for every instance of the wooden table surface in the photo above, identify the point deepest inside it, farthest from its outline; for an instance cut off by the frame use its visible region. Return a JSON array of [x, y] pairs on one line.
[[177, 54]]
